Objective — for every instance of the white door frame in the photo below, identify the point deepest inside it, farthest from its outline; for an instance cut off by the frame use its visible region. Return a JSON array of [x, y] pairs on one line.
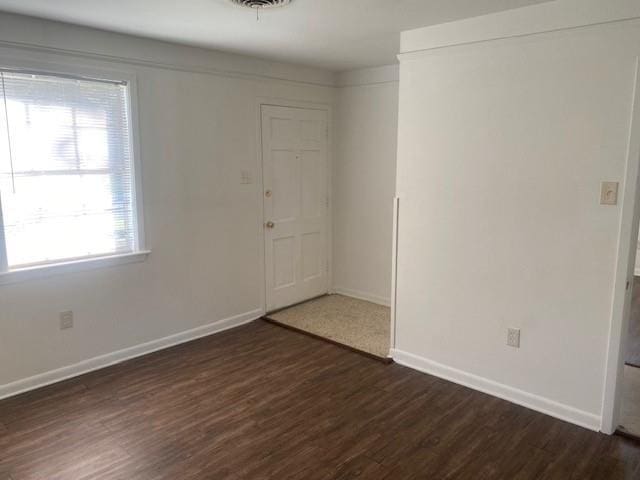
[[627, 246], [394, 273], [280, 102]]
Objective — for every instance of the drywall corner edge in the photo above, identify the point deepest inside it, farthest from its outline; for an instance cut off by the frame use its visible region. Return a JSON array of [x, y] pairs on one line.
[[368, 297], [625, 266]]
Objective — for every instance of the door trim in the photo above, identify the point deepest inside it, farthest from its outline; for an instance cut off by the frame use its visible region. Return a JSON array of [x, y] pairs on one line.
[[281, 102], [394, 273]]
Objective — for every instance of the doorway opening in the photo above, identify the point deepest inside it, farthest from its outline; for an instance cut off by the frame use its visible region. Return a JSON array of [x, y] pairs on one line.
[[297, 229], [629, 419]]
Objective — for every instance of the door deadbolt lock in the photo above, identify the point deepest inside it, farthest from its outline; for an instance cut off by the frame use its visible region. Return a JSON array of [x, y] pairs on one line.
[[269, 224], [267, 193]]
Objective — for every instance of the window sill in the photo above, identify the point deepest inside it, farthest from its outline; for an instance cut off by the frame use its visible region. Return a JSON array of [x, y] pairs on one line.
[[43, 271]]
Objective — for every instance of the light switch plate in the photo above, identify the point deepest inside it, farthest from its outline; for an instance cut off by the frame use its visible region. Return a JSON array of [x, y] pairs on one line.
[[245, 177], [609, 193], [513, 337]]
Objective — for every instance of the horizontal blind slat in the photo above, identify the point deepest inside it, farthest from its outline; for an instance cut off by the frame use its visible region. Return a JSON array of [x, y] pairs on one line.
[[70, 178]]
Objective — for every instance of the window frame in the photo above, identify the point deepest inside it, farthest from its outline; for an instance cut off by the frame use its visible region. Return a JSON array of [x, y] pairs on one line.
[[139, 252]]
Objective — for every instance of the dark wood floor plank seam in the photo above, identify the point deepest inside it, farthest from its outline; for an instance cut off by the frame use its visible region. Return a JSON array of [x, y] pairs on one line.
[[262, 402], [385, 360]]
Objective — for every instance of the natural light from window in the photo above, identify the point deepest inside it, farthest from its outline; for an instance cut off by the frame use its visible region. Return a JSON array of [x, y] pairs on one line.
[[66, 177]]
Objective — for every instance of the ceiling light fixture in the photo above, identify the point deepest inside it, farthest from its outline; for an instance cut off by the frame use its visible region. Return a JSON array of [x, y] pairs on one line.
[[258, 5]]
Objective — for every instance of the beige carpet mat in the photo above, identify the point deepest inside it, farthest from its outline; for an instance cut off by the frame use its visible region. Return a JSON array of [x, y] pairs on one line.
[[358, 324]]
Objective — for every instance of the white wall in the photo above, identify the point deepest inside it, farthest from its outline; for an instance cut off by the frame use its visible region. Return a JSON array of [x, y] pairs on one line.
[[198, 124], [364, 182], [503, 144]]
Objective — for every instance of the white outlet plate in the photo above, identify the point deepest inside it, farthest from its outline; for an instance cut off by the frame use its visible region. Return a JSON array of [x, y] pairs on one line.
[[513, 337], [66, 320]]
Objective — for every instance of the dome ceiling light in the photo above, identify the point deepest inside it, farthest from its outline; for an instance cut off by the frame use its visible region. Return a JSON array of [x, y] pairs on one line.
[[258, 5]]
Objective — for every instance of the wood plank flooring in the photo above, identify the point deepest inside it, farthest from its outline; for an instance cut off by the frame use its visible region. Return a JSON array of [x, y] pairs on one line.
[[262, 402]]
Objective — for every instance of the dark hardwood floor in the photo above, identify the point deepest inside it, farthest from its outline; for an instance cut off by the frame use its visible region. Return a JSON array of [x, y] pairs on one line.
[[633, 337], [262, 402]]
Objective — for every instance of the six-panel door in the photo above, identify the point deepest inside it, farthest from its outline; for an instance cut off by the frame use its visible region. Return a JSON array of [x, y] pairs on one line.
[[294, 156]]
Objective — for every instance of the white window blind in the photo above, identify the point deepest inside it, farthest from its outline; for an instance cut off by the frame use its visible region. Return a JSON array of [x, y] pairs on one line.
[[66, 176]]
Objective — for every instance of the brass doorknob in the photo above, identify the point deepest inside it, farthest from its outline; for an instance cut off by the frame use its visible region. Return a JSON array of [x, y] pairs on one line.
[[269, 224]]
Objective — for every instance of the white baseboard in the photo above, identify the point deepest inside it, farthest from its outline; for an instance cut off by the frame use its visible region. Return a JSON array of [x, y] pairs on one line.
[[362, 296], [102, 361], [514, 395]]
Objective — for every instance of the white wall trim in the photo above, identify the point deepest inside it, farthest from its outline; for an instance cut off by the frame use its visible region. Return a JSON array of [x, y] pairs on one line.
[[108, 46], [71, 266], [160, 65], [369, 297], [518, 22], [102, 361], [514, 395], [369, 76], [394, 271]]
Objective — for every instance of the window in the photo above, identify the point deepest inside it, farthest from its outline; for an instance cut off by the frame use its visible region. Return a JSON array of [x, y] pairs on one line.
[[66, 170]]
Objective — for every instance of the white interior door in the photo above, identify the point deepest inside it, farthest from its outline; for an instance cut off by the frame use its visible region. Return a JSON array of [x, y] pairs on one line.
[[294, 157]]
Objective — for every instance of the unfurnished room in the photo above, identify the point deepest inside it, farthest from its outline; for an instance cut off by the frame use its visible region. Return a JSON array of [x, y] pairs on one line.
[[319, 239]]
